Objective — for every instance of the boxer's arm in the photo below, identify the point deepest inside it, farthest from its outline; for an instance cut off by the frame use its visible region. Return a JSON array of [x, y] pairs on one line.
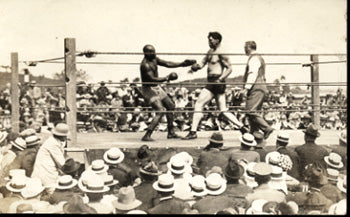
[[225, 61], [151, 77], [170, 64]]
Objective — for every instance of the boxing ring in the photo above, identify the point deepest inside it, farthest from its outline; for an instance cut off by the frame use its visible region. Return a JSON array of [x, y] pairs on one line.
[[83, 142]]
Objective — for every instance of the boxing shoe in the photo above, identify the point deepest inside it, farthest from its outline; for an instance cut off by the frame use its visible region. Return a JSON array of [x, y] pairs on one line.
[[147, 138], [268, 133], [244, 129], [173, 136], [190, 135]]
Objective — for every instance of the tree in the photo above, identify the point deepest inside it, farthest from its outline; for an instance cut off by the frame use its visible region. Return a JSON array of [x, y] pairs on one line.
[[81, 75]]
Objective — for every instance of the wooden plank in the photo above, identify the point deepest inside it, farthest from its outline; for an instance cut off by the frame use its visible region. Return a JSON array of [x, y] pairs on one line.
[[315, 91], [14, 93], [70, 73]]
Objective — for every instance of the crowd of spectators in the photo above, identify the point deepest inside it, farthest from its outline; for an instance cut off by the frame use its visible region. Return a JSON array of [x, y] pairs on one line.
[[121, 108], [36, 176]]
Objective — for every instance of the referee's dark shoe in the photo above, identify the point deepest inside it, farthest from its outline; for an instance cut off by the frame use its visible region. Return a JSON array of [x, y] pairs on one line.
[[190, 135]]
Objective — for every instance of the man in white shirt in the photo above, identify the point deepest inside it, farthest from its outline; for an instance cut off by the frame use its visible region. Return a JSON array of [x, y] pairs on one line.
[[255, 89]]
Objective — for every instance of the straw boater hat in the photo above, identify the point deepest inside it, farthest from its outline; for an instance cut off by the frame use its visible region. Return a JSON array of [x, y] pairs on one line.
[[262, 169], [176, 165], [33, 188], [197, 184], [338, 208], [113, 156], [165, 183], [98, 166], [19, 143], [66, 182], [17, 183], [249, 175], [136, 211], [247, 139], [84, 177], [273, 158], [61, 129], [3, 136], [341, 184], [283, 136], [32, 141], [342, 137], [126, 199], [277, 173], [332, 174], [215, 184], [108, 180], [256, 207], [95, 185], [334, 160], [27, 132], [15, 172]]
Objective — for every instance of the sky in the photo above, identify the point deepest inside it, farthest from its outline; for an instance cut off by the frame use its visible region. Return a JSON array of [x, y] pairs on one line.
[[36, 30]]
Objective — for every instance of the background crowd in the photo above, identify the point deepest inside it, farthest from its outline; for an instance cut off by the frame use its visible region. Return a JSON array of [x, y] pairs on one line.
[[107, 107], [36, 176]]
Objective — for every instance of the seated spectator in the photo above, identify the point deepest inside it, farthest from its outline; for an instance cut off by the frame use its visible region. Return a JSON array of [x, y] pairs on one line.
[[282, 140], [310, 152], [342, 149], [245, 152], [73, 168], [95, 191], [215, 201], [144, 192], [330, 189], [65, 189], [29, 154], [249, 175], [76, 205], [339, 208], [114, 158], [167, 204], [334, 161], [126, 200], [14, 187], [213, 154], [263, 173]]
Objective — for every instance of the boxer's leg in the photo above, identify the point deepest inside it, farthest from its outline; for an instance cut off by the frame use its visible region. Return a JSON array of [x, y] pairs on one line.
[[158, 107], [221, 101], [204, 97]]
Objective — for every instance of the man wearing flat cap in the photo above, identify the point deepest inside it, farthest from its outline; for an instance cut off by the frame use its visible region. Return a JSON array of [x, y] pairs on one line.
[[263, 173], [310, 152]]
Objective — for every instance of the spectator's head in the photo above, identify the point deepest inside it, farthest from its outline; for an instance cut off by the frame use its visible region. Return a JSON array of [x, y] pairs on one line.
[[215, 141], [247, 141], [311, 133], [66, 182], [19, 144], [71, 167], [343, 138], [282, 139], [262, 173], [164, 185], [215, 184], [126, 199], [61, 131], [197, 184], [149, 172], [233, 171], [113, 156], [33, 189], [338, 208], [24, 208], [76, 205], [95, 188], [334, 161]]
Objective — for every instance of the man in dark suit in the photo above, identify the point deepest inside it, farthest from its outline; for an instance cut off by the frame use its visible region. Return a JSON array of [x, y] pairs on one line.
[[310, 152], [145, 192], [213, 154], [282, 141], [167, 204], [260, 143]]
